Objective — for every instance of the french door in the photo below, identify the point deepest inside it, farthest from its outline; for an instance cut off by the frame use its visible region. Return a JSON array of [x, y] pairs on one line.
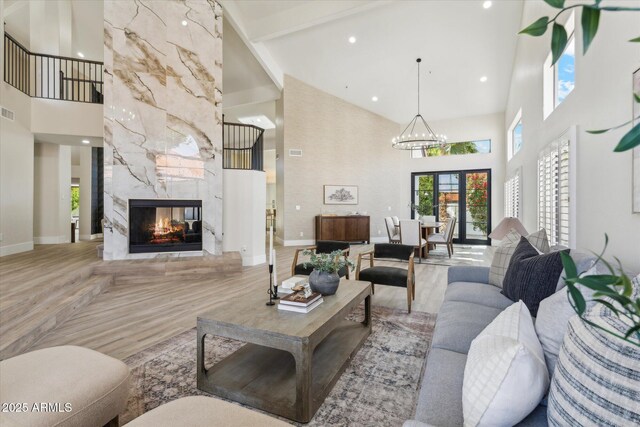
[[465, 195]]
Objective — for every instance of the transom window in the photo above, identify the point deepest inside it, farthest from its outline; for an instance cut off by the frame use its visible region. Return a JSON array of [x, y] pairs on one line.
[[560, 78], [481, 146], [514, 136]]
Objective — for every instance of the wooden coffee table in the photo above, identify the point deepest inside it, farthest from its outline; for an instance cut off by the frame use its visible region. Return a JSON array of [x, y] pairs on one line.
[[291, 360]]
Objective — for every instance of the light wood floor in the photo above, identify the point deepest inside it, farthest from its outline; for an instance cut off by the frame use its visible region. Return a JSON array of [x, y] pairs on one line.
[[137, 312]]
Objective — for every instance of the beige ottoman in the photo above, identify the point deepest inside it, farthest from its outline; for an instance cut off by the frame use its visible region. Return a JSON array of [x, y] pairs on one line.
[[62, 386], [201, 411]]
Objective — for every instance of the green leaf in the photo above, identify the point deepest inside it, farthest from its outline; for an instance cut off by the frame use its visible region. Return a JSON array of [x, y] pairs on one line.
[[558, 4], [630, 140], [619, 9], [570, 269], [578, 299], [538, 28], [590, 21], [636, 96], [636, 328], [599, 131], [558, 42], [636, 40], [608, 305]]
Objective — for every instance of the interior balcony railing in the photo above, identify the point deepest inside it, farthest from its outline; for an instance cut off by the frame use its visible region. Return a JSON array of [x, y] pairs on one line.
[[52, 77], [242, 147]]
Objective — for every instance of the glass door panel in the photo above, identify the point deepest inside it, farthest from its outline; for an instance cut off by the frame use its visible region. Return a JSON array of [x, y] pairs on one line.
[[423, 196], [477, 205], [449, 198]]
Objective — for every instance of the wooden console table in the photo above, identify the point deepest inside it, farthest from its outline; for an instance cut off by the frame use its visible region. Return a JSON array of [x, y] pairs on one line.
[[350, 228]]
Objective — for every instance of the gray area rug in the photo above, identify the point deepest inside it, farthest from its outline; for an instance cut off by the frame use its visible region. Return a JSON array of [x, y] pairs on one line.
[[378, 388]]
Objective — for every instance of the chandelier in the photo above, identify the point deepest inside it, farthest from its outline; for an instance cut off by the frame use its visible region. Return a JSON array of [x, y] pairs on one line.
[[418, 133]]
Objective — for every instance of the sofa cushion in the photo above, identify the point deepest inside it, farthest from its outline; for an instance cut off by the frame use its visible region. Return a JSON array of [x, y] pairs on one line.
[[503, 253], [95, 386], [440, 399], [531, 277], [459, 323], [597, 377], [392, 276], [203, 411], [505, 376], [477, 293]]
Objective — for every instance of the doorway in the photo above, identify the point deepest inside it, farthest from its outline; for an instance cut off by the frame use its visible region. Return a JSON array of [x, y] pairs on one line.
[[463, 194]]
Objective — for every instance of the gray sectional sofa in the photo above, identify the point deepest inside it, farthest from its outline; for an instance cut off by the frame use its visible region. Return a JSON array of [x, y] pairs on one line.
[[470, 304]]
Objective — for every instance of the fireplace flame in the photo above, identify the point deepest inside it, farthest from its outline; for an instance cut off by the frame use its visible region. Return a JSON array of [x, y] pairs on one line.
[[164, 231]]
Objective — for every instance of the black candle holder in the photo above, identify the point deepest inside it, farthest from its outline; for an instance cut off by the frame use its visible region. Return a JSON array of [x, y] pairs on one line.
[[273, 289]]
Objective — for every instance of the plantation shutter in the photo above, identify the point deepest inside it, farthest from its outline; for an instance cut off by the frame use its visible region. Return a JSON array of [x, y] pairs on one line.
[[553, 192], [512, 196]]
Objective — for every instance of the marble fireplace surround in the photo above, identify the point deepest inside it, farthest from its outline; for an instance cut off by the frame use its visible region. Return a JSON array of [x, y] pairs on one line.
[[162, 113]]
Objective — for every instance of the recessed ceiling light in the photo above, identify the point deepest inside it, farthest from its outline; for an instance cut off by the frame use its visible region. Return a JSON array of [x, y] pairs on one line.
[[374, 98], [81, 55], [85, 141], [184, 23], [483, 79], [487, 4], [352, 40]]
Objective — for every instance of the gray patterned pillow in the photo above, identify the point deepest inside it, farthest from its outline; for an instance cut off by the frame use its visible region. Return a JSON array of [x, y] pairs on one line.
[[597, 378], [503, 253]]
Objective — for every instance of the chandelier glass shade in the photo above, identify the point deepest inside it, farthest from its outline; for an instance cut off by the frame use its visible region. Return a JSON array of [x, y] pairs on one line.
[[417, 134]]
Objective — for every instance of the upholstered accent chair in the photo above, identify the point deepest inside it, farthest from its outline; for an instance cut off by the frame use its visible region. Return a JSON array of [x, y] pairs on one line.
[[402, 276], [446, 237], [321, 247], [392, 230], [410, 234]]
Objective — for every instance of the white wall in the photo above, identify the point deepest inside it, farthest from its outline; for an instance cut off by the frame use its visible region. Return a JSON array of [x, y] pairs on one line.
[[52, 207], [244, 217], [16, 188], [602, 98]]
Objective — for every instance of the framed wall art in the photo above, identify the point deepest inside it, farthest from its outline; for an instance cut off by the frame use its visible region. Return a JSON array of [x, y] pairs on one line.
[[340, 194]]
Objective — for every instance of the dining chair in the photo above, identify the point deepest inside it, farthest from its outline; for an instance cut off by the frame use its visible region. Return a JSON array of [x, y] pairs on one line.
[[390, 276], [392, 232], [410, 234], [396, 221], [446, 237]]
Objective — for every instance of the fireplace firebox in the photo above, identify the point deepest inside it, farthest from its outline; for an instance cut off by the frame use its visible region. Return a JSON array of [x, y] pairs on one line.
[[165, 225]]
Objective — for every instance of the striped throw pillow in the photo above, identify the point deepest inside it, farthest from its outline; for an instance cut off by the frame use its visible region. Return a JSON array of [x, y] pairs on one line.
[[597, 377]]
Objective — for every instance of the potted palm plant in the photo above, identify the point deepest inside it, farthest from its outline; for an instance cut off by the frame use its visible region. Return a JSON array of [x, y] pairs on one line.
[[325, 278]]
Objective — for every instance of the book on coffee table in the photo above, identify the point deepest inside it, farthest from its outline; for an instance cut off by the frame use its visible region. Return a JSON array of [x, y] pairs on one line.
[[298, 308], [299, 299]]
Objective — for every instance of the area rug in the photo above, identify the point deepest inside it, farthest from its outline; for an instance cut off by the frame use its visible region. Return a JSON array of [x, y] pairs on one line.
[[379, 387]]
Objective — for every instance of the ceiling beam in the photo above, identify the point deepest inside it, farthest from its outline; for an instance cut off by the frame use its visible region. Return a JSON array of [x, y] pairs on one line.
[[307, 15], [233, 16]]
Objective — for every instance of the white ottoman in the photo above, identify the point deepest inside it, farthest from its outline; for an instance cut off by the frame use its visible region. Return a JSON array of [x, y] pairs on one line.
[[62, 386], [201, 411]]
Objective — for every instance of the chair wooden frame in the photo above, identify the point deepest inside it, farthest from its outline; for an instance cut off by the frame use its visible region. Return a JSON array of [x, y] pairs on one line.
[[449, 241], [411, 288], [299, 250]]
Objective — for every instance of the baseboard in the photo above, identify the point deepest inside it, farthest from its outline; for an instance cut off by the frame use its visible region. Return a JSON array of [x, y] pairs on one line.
[[15, 249], [51, 240], [299, 242], [248, 261], [87, 237]]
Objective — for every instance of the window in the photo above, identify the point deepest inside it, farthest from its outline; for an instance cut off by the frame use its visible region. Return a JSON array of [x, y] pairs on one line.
[[515, 136], [482, 146], [512, 196], [556, 185], [560, 79]]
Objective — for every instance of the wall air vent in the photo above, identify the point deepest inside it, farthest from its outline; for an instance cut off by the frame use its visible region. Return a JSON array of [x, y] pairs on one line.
[[295, 152], [8, 114]]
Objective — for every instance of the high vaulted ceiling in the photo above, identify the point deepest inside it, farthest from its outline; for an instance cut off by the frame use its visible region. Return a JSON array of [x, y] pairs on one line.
[[458, 41]]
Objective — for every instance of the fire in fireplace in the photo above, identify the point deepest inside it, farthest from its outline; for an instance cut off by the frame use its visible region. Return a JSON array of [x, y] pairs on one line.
[[165, 225]]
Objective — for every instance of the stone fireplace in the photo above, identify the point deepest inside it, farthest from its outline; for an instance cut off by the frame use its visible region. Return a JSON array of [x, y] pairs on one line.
[[165, 225], [162, 128]]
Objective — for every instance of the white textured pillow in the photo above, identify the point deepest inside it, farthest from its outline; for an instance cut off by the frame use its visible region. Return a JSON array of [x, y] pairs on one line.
[[505, 376], [552, 320], [503, 253]]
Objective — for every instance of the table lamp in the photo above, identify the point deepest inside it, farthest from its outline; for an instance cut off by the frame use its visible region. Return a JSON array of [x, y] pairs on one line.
[[506, 225]]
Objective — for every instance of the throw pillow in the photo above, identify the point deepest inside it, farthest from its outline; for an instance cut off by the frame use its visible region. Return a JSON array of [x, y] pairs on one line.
[[505, 376], [503, 253], [552, 320], [597, 378], [531, 277]]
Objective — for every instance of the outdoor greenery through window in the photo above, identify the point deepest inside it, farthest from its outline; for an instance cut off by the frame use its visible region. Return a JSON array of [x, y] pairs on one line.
[[482, 146], [515, 135]]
